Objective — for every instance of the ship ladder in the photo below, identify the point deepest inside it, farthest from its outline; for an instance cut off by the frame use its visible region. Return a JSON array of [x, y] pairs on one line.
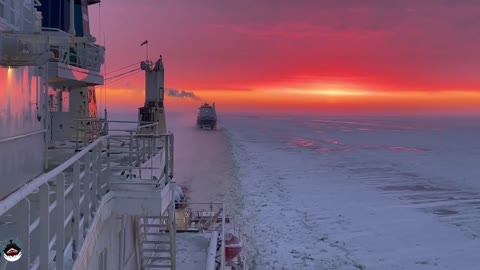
[[157, 242]]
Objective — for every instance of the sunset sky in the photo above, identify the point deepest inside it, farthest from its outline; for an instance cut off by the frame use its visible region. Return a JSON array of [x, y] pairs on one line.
[[299, 55]]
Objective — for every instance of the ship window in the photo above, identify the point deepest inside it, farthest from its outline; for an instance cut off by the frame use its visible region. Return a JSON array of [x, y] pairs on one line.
[[78, 18]]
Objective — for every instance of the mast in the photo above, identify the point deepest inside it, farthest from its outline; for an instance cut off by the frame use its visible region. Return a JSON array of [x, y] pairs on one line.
[[153, 110]]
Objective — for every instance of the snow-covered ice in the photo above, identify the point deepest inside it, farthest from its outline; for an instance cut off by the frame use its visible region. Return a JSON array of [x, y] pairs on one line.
[[340, 193], [349, 193]]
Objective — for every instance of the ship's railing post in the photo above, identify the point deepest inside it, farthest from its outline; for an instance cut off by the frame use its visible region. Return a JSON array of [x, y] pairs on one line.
[[60, 227], [44, 226], [98, 167], [223, 237], [77, 135], [138, 154], [166, 156], [76, 210], [94, 179], [173, 228], [92, 130], [150, 155], [47, 142], [130, 159], [144, 154], [66, 55], [86, 194], [171, 147], [22, 217], [150, 149], [155, 132], [108, 161]]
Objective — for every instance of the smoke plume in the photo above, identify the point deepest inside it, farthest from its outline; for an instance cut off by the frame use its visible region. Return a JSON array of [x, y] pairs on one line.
[[181, 94]]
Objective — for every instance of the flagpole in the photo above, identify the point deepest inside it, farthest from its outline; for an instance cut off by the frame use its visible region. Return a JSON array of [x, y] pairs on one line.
[[146, 52]]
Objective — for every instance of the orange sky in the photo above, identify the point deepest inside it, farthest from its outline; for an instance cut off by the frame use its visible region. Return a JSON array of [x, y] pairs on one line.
[[305, 56], [321, 101]]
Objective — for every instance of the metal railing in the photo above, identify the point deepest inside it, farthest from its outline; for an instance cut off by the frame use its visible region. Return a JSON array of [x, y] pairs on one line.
[[85, 190], [88, 129], [82, 55], [20, 15], [67, 198], [142, 156], [13, 138], [132, 147], [79, 52], [207, 217]]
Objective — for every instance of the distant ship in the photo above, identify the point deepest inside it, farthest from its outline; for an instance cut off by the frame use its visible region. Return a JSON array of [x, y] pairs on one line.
[[207, 116]]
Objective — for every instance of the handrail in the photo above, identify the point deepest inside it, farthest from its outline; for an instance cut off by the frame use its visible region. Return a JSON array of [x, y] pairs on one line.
[[86, 178], [88, 128], [19, 14], [222, 262], [11, 200], [85, 55], [111, 121], [22, 136], [51, 29], [15, 197]]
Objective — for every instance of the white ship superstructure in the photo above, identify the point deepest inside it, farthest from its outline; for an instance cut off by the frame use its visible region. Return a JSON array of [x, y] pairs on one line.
[[75, 194]]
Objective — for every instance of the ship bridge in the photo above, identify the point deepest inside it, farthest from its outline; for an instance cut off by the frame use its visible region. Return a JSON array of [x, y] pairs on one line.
[[76, 60]]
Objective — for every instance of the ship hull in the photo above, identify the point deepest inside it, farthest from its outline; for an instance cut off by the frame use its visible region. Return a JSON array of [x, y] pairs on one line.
[[207, 123]]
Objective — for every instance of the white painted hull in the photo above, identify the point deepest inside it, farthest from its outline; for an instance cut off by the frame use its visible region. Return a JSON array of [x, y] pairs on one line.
[[22, 141]]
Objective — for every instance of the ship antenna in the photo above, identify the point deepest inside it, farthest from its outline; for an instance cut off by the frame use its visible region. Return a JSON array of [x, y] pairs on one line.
[[105, 82], [100, 20], [146, 51]]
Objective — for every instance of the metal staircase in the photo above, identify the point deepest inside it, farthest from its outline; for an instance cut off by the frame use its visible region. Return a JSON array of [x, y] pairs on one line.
[[157, 242]]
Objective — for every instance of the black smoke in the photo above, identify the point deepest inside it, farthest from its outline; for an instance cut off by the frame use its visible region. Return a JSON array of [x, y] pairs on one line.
[[181, 94]]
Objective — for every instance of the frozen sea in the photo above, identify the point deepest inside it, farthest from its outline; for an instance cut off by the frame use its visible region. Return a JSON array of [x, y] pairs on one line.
[[314, 192]]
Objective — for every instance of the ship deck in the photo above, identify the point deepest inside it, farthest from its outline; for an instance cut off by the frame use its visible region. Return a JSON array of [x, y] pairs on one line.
[[192, 246], [192, 250], [58, 154]]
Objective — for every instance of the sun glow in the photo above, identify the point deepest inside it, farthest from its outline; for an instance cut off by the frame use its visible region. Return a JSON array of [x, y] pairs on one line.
[[331, 92], [319, 98], [326, 89]]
